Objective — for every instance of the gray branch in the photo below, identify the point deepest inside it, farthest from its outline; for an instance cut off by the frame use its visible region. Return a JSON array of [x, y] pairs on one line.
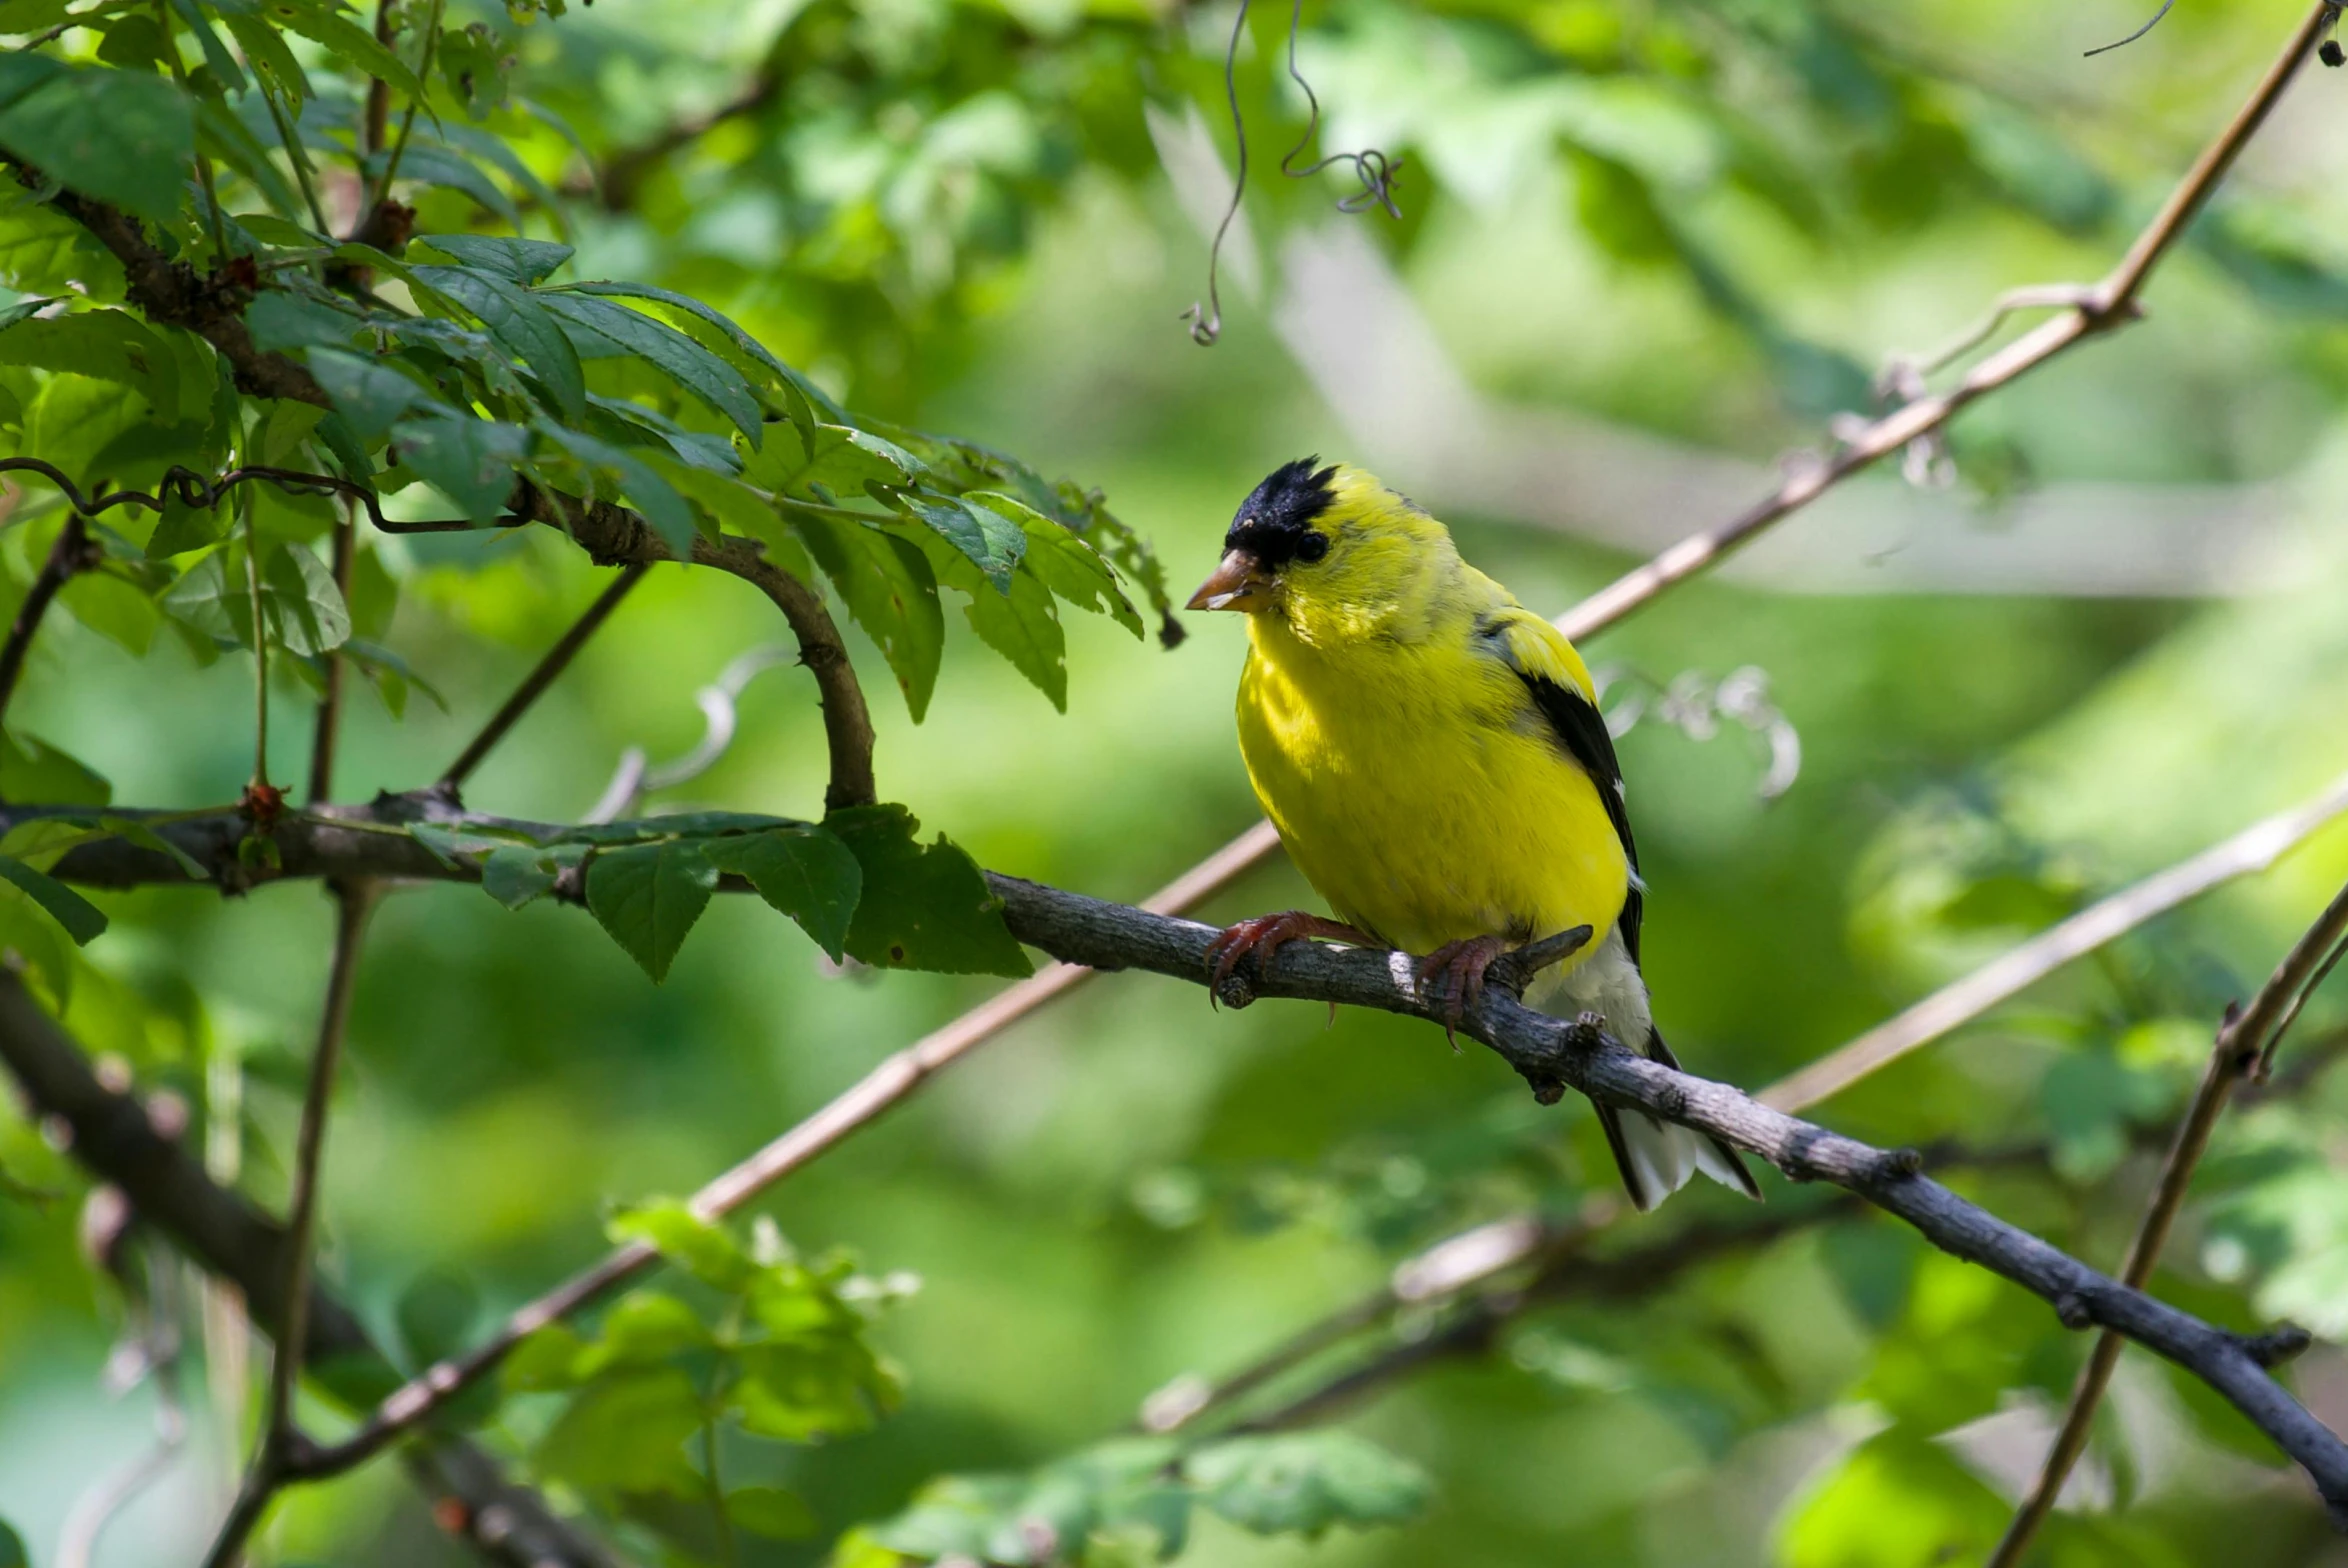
[[1552, 1055]]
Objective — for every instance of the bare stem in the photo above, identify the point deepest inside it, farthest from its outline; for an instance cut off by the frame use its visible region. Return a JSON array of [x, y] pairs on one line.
[[558, 658], [260, 649], [2243, 1040], [328, 734], [280, 1442]]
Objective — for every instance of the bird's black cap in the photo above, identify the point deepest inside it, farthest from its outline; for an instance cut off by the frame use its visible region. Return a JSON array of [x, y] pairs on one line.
[[1276, 521]]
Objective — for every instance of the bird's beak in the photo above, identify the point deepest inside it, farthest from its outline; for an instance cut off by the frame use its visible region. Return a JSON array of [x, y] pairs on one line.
[[1238, 583]]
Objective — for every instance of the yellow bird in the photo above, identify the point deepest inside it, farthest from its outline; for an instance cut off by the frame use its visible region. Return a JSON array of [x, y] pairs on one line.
[[1434, 758]]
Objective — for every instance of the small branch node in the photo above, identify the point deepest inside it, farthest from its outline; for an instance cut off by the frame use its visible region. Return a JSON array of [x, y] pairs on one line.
[[2074, 1310], [1235, 991], [2284, 1342]]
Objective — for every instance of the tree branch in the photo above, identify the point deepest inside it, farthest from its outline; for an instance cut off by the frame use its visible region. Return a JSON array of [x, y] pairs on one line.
[[2244, 1040], [1961, 1001], [113, 1137], [1550, 1053], [558, 658]]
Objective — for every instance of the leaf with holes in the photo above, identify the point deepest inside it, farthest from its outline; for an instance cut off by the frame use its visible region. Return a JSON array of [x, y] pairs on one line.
[[923, 906], [804, 872], [346, 40], [648, 897]]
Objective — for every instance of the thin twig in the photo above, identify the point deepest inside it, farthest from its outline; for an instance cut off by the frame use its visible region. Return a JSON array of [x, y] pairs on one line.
[[281, 1443], [558, 658], [260, 651], [2243, 1041], [407, 124], [190, 488], [113, 1135], [72, 553], [1961, 1001], [328, 734]]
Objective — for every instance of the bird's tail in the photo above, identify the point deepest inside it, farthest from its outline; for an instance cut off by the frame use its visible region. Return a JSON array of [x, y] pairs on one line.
[[1656, 1158]]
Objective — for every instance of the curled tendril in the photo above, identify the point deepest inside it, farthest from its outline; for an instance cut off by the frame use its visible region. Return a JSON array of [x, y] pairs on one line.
[[1373, 167]]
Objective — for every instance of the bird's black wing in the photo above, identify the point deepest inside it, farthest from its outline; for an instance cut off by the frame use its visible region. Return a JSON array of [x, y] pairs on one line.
[[1581, 730]]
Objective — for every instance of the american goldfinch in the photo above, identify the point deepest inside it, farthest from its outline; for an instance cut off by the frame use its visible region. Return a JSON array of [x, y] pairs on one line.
[[1434, 758]]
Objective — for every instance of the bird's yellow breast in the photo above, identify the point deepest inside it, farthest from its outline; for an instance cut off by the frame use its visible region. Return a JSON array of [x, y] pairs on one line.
[[1421, 792]]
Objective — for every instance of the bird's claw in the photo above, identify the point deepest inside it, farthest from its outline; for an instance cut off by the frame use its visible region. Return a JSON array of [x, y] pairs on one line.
[[1264, 936], [1457, 968]]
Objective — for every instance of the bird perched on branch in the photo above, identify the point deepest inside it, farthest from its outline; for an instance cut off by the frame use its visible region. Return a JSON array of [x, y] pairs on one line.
[[1434, 758]]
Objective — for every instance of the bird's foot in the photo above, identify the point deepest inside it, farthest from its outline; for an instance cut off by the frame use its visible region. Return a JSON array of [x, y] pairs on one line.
[[1266, 934], [1457, 970]]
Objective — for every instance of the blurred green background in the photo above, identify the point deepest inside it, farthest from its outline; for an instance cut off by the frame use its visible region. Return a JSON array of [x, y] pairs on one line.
[[1648, 247]]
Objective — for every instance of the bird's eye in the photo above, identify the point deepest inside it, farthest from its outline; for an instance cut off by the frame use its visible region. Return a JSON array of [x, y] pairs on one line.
[[1312, 547]]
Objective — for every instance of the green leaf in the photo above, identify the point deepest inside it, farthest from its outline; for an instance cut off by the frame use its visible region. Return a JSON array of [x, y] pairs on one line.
[[118, 610], [924, 906], [1066, 562], [82, 920], [518, 873], [645, 1328], [266, 51], [1306, 1482], [648, 897], [767, 1511], [545, 1362], [430, 164], [112, 345], [471, 461], [625, 1431], [654, 496], [12, 1552], [992, 542], [132, 831], [840, 458], [184, 528], [1895, 1500], [889, 588], [304, 606], [741, 340], [216, 55], [123, 137], [677, 356], [521, 327], [206, 599], [1024, 627], [701, 1247], [346, 40], [366, 391], [805, 872], [32, 769], [517, 260]]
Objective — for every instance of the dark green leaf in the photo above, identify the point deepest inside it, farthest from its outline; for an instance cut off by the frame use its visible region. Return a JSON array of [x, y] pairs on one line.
[[924, 906], [520, 326], [546, 1361], [346, 40], [743, 341], [123, 137], [12, 1552], [83, 920], [216, 55], [890, 590], [430, 164], [517, 873], [993, 543], [648, 897], [1066, 563], [804, 872], [626, 1431], [366, 391], [471, 461], [1306, 1482], [654, 496], [840, 458], [517, 260], [684, 361]]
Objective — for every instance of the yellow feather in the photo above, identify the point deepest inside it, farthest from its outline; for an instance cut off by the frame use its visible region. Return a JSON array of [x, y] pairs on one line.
[[1398, 751]]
